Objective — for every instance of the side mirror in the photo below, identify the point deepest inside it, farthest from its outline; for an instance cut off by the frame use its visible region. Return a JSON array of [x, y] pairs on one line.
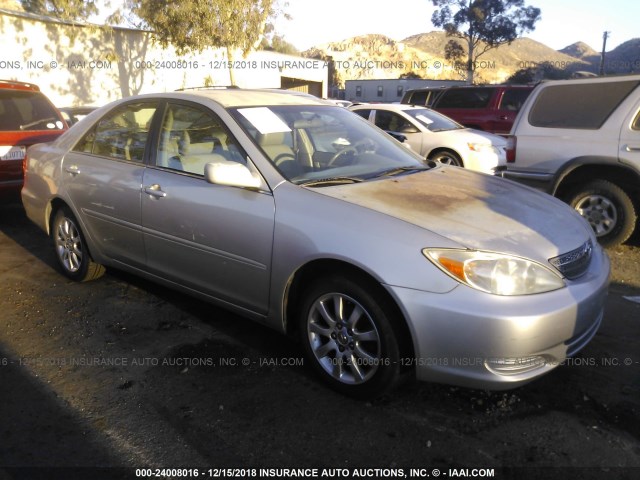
[[398, 136], [232, 174], [409, 129]]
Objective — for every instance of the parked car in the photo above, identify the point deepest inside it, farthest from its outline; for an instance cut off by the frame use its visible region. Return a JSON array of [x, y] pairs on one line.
[[423, 97], [580, 141], [26, 117], [340, 103], [438, 138], [305, 217], [492, 108], [73, 115]]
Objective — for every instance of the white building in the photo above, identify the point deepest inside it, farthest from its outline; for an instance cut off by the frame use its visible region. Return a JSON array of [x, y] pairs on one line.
[[84, 64], [388, 90]]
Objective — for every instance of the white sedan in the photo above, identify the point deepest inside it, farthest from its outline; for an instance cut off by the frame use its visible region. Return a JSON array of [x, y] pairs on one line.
[[437, 137]]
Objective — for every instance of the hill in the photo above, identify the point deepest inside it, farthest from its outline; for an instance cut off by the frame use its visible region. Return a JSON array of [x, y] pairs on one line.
[[422, 55]]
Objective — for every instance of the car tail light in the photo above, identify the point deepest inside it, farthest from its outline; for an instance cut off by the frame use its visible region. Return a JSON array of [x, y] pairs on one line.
[[512, 141], [24, 165]]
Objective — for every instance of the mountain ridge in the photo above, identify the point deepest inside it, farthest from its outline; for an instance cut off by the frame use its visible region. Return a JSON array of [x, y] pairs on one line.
[[375, 56]]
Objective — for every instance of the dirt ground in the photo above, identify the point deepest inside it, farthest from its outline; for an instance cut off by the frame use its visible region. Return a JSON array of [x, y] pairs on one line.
[[122, 374]]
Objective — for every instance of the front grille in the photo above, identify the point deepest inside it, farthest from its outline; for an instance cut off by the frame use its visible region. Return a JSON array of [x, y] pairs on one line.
[[574, 263]]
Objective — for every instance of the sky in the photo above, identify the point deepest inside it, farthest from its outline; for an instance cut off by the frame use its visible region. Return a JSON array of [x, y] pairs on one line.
[[563, 22]]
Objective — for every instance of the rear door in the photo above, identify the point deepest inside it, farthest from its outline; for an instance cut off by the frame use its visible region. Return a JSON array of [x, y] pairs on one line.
[[470, 106], [509, 103], [103, 176], [210, 238]]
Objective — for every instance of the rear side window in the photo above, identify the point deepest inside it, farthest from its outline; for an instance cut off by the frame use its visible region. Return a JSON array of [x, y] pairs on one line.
[[465, 98], [581, 106], [121, 134], [363, 113], [513, 98], [418, 98], [22, 110]]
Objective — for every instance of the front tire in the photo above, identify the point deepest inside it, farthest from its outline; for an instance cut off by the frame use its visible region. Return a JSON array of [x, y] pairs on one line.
[[71, 248], [349, 338], [608, 209], [446, 157]]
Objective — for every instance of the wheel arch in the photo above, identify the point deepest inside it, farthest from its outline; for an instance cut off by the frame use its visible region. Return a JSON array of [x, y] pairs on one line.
[[54, 205], [445, 149], [325, 267], [584, 169]]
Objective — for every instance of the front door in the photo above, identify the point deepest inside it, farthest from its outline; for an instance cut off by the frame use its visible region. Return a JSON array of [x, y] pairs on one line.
[[210, 238]]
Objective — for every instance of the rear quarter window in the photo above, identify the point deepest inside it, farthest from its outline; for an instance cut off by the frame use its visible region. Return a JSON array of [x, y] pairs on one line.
[[24, 110], [636, 123], [464, 98], [579, 106]]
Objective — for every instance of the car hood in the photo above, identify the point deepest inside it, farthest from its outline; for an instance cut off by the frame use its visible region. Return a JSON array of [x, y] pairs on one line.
[[474, 210]]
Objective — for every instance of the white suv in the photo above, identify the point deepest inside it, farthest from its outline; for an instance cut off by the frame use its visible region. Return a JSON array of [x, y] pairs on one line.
[[580, 141]]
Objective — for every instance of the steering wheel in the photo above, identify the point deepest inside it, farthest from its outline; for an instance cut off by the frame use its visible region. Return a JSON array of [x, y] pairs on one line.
[[339, 153]]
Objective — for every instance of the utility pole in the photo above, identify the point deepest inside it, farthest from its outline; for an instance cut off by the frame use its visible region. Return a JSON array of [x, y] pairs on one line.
[[605, 35]]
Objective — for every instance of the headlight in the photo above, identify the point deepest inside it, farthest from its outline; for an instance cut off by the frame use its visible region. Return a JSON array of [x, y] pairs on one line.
[[494, 272], [482, 148]]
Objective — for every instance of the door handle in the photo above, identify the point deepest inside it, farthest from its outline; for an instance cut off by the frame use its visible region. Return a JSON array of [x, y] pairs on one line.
[[155, 191], [632, 148], [72, 169], [503, 117]]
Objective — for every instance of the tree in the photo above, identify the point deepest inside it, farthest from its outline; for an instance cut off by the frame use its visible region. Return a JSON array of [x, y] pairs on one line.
[[482, 25], [64, 9], [193, 25]]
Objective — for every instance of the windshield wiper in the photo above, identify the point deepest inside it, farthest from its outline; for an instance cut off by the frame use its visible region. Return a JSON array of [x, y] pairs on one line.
[[42, 120], [330, 181], [398, 170]]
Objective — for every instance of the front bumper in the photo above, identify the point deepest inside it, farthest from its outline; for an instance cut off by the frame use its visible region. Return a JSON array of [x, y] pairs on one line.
[[473, 339]]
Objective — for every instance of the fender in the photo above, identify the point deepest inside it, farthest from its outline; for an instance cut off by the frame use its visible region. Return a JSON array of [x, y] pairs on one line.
[[588, 160]]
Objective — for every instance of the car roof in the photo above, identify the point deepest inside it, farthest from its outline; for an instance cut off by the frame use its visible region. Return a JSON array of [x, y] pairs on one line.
[[236, 97], [15, 85], [388, 106]]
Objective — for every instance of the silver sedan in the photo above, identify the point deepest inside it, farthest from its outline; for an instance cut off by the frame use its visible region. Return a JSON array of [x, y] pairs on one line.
[[305, 217]]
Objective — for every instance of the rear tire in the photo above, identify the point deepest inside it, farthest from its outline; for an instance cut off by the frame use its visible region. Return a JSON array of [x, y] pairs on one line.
[[608, 209], [71, 248], [349, 338]]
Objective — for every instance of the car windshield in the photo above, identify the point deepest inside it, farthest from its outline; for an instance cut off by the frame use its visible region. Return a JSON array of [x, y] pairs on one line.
[[22, 110], [433, 121], [324, 145]]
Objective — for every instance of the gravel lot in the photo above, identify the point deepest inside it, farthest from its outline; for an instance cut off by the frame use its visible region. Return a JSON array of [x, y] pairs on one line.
[[122, 374]]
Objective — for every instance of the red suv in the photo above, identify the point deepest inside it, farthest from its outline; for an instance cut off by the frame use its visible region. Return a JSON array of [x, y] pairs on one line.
[[492, 108], [26, 117]]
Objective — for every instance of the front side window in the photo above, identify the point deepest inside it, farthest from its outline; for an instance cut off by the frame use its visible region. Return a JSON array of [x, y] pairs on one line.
[[391, 121], [191, 137], [121, 134]]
